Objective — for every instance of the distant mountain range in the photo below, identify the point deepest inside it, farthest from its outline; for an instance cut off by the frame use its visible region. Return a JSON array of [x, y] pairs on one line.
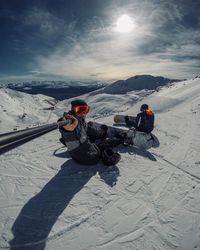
[[62, 90], [59, 90]]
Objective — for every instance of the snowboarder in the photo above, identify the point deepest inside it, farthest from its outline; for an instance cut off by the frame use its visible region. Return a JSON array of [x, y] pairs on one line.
[[144, 121], [79, 137]]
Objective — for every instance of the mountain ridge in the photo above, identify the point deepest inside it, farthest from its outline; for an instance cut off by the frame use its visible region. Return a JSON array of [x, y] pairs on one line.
[[138, 82], [61, 90]]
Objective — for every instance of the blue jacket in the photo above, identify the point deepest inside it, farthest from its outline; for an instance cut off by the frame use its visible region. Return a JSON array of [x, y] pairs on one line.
[[145, 121]]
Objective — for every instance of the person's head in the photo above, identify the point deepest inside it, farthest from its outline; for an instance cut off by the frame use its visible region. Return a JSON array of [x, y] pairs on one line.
[[144, 107], [80, 108]]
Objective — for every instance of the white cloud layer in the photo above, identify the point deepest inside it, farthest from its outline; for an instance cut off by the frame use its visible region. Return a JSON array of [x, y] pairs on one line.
[[163, 41], [104, 54]]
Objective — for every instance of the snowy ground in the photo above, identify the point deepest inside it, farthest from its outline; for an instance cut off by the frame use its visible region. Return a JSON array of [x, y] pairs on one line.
[[150, 200], [19, 110]]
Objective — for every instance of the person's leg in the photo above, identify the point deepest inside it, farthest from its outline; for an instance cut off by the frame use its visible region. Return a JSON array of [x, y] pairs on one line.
[[87, 156], [130, 123], [110, 143], [109, 157]]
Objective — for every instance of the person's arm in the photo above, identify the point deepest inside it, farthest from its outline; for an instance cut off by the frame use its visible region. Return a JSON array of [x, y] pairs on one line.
[[131, 122], [138, 120]]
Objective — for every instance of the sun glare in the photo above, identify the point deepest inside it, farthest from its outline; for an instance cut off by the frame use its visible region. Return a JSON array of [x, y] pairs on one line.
[[124, 24]]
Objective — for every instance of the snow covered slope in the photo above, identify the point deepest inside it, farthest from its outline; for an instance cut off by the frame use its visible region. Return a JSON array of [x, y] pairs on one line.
[[150, 200], [103, 104], [137, 82], [19, 110], [120, 95]]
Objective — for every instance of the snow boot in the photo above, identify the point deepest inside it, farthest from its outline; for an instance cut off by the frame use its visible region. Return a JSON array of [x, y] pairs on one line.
[[109, 157]]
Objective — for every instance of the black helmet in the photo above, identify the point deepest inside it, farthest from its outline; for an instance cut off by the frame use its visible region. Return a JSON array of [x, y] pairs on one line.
[[78, 102], [144, 107]]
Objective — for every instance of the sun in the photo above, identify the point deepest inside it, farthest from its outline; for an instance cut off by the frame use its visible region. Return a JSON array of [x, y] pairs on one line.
[[124, 24]]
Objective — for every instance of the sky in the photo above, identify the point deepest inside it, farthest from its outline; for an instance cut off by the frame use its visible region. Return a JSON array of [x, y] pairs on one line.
[[82, 39]]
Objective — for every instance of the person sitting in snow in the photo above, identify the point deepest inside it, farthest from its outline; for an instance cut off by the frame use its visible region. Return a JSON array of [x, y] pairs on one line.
[[144, 121], [79, 137]]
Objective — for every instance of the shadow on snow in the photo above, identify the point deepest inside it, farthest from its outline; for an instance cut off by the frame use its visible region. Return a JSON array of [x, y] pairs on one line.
[[40, 213], [138, 151]]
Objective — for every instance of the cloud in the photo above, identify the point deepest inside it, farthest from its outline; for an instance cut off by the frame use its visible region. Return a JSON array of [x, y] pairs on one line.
[[80, 41], [102, 52], [160, 44], [13, 78], [44, 21]]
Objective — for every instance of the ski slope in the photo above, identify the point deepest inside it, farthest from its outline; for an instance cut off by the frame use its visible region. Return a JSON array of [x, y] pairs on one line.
[[150, 200], [19, 110]]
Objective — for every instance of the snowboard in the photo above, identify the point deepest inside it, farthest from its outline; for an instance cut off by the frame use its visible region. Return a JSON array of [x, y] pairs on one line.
[[133, 137], [120, 119]]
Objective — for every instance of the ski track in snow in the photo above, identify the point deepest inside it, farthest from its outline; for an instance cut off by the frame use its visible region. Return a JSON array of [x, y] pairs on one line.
[[154, 204]]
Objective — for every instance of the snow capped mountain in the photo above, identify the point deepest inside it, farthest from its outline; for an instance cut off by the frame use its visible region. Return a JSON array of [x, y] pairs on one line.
[[137, 82], [62, 90], [59, 90], [150, 200], [51, 84]]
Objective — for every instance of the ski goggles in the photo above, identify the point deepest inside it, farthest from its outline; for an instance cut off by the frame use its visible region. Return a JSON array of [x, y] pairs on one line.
[[81, 109]]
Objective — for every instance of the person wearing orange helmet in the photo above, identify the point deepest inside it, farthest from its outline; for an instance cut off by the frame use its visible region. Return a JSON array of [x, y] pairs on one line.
[[79, 137]]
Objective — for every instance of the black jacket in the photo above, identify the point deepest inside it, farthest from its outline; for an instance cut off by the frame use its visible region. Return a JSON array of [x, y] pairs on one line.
[[79, 145], [145, 121]]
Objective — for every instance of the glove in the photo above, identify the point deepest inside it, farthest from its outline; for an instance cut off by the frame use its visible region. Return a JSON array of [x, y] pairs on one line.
[[126, 119], [104, 130], [73, 122]]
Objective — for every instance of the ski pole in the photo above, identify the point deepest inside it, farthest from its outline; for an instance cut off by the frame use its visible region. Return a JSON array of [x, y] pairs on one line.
[[14, 139]]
